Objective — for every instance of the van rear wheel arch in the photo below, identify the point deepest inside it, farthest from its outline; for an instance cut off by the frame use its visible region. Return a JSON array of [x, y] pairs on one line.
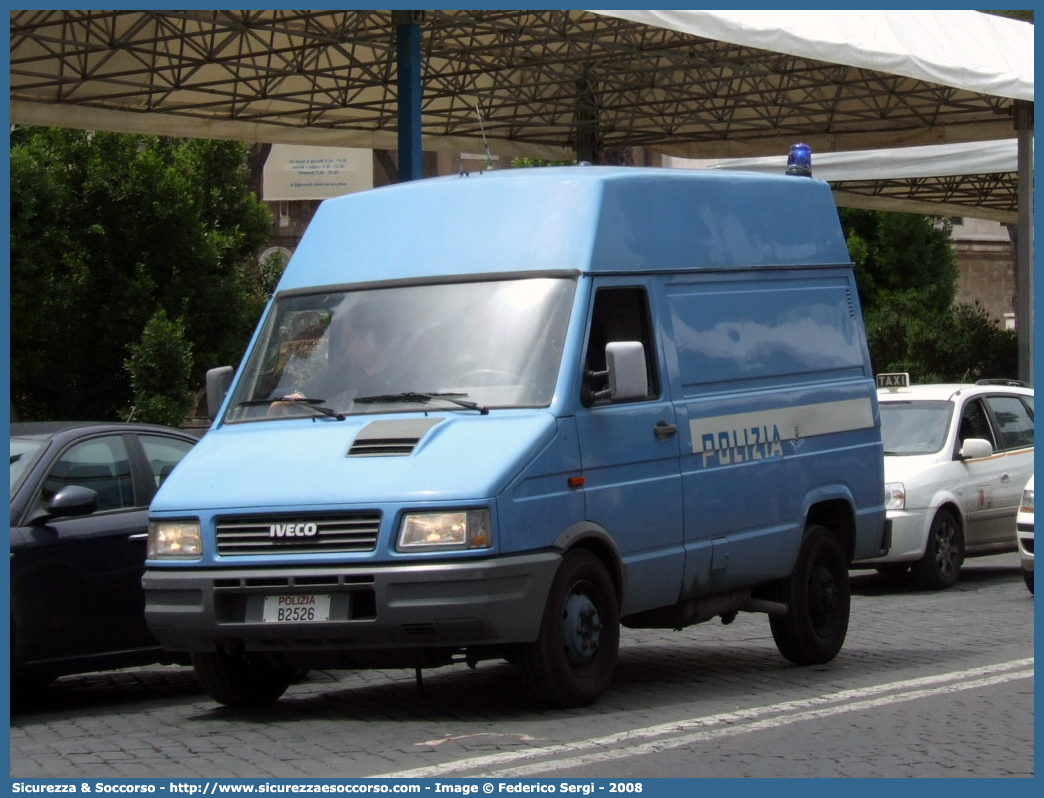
[[837, 516]]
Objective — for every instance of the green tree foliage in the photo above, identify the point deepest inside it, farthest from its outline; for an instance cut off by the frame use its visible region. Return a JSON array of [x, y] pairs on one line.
[[524, 162], [108, 229], [160, 366], [901, 255], [1025, 16], [906, 273]]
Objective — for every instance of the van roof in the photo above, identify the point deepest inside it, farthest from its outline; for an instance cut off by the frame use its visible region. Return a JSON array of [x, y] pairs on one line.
[[584, 218]]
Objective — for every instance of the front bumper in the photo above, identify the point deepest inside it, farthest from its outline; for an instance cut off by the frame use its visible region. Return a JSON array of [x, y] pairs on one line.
[[457, 604], [1024, 536], [909, 535]]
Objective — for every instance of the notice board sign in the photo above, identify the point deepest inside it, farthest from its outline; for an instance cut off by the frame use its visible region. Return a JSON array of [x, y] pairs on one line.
[[304, 172]]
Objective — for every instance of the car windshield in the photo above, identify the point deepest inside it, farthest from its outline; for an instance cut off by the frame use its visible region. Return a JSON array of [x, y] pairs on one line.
[[455, 346], [910, 428], [24, 452]]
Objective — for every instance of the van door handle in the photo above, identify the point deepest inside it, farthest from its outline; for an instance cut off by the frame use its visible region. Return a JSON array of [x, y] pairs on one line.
[[663, 430], [1005, 477]]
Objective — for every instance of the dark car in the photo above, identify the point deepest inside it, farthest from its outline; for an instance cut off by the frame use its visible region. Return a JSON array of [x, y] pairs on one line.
[[80, 496]]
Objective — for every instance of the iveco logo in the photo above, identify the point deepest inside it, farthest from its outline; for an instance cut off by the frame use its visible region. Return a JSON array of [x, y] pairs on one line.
[[292, 530]]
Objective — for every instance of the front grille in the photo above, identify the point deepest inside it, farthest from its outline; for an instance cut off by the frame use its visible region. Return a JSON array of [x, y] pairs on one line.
[[297, 534]]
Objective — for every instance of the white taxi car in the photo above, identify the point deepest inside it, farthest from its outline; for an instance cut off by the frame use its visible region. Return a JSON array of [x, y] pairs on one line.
[[956, 460], [1024, 534]]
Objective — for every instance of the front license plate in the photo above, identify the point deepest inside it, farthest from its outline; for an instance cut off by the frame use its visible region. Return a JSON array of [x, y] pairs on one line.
[[296, 609]]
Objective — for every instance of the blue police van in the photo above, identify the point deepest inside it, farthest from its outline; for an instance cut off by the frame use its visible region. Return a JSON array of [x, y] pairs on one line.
[[501, 415]]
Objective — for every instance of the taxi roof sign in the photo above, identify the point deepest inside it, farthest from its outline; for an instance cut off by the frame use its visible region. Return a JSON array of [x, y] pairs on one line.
[[894, 380]]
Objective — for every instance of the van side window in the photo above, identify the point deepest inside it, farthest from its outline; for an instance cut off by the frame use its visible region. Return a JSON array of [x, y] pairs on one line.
[[620, 314]]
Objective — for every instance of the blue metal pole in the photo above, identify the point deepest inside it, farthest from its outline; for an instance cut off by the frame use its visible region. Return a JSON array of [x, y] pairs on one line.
[[408, 40]]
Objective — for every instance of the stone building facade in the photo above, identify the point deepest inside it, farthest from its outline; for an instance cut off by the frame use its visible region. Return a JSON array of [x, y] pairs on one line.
[[986, 260]]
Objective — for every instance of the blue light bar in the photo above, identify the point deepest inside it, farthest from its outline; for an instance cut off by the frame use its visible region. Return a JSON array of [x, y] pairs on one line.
[[799, 162]]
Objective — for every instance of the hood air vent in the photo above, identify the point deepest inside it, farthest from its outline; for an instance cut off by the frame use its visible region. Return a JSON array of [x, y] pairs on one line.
[[391, 437]]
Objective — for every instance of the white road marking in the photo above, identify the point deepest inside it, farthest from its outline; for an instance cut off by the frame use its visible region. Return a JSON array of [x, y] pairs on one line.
[[727, 724], [522, 738]]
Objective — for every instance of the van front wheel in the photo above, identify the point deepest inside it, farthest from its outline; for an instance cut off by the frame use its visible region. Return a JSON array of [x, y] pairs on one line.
[[241, 680], [572, 661], [818, 599]]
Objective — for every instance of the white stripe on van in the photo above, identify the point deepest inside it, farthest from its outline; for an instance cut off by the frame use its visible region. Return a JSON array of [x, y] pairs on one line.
[[758, 432]]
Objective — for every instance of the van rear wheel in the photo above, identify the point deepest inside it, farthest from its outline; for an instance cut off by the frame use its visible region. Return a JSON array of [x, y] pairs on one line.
[[818, 598], [572, 661], [241, 680]]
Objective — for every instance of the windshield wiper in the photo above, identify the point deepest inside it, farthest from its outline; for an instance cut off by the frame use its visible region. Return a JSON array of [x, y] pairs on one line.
[[423, 398], [311, 404]]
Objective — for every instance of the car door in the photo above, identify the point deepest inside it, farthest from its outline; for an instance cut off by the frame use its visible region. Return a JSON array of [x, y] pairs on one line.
[[153, 458], [990, 485], [1012, 422], [76, 582], [630, 454]]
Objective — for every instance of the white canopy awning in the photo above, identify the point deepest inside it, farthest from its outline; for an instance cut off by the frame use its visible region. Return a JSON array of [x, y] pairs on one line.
[[938, 180], [969, 158], [968, 50]]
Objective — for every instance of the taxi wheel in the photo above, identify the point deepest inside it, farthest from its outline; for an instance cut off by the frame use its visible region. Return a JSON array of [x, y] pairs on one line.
[[241, 680], [572, 661], [943, 553], [818, 599], [1027, 577]]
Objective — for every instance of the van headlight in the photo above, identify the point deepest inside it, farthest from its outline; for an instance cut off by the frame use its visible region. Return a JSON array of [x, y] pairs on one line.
[[174, 540], [458, 529], [895, 496]]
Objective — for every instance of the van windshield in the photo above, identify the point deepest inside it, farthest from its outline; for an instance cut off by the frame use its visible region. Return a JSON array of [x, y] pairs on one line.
[[495, 343]]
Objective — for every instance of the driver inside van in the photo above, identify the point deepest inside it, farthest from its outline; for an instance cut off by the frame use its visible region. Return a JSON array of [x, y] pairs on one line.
[[357, 361]]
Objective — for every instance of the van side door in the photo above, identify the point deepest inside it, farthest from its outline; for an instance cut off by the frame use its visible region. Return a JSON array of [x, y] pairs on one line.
[[774, 407], [630, 453]]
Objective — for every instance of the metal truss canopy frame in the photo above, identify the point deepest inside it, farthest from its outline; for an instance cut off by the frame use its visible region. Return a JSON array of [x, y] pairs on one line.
[[550, 84], [329, 77]]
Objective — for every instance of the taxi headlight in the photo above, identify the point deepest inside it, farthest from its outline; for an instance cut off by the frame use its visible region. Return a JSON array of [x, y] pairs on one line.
[[1026, 505], [895, 496], [174, 540], [460, 529]]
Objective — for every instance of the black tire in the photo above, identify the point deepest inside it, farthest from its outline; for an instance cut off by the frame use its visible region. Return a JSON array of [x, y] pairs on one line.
[[572, 661], [1027, 577], [943, 554], [241, 680], [818, 598]]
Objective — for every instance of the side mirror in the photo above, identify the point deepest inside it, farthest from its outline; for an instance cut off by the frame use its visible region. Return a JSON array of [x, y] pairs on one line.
[[974, 448], [70, 501], [625, 365], [218, 381]]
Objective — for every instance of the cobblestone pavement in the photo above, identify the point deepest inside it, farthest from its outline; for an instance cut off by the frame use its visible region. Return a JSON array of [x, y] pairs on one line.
[[928, 684]]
